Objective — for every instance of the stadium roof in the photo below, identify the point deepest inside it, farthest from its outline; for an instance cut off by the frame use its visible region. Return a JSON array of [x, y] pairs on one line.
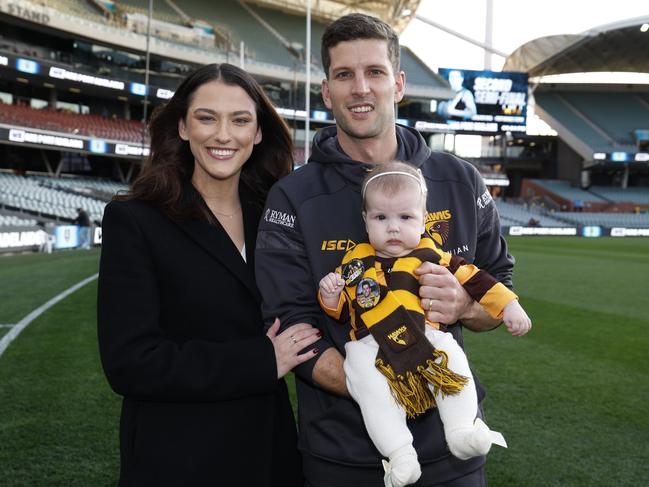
[[397, 13], [618, 46]]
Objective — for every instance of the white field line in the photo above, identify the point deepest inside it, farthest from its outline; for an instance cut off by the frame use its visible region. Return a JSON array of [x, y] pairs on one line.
[[22, 324]]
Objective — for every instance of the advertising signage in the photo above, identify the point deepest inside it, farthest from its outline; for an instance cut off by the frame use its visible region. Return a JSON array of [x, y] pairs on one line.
[[50, 70], [53, 140], [484, 102]]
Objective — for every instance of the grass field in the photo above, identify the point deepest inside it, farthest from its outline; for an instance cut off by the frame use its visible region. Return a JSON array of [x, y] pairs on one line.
[[571, 397]]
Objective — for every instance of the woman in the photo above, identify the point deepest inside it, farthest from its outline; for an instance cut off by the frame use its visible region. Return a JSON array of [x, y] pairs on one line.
[[180, 330]]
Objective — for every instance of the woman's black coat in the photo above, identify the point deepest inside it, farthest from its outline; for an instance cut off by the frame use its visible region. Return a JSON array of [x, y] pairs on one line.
[[181, 339]]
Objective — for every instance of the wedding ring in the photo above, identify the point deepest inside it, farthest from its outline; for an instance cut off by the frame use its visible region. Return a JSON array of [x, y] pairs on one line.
[[430, 304], [293, 338]]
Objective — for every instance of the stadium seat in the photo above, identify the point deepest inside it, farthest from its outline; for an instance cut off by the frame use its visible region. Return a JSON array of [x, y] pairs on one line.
[[638, 195], [631, 220], [565, 191], [73, 123], [516, 214], [54, 197]]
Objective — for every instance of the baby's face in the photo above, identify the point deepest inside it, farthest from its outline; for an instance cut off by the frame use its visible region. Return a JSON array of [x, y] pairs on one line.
[[394, 222]]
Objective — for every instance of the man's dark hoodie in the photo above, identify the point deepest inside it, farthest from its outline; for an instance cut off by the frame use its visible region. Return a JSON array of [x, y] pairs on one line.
[[312, 217]]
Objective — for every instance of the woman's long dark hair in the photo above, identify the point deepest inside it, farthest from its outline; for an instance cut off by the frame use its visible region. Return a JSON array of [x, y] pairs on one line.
[[171, 162]]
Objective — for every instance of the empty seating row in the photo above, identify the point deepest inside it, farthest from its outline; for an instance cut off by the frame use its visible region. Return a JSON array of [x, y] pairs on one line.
[[513, 214], [14, 221], [633, 220], [73, 123], [27, 194], [616, 114], [74, 8], [564, 190], [81, 183], [162, 11], [604, 121], [636, 194]]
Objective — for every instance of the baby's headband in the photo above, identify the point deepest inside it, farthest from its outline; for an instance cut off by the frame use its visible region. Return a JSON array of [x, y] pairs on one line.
[[419, 179]]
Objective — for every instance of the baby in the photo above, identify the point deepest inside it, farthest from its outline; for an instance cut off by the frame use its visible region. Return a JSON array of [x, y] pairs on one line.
[[397, 363]]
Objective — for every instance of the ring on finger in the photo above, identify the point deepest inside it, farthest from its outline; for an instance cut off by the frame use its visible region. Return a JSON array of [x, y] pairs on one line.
[[293, 338], [430, 304]]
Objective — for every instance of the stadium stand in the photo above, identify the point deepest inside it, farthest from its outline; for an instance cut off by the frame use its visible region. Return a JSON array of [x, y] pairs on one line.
[[74, 8], [240, 25], [605, 121], [562, 196], [597, 121], [564, 190], [83, 183], [640, 220], [101, 189], [70, 122], [162, 10], [292, 28], [590, 119], [517, 214], [26, 193], [638, 195], [14, 221], [572, 122], [618, 116], [23, 48]]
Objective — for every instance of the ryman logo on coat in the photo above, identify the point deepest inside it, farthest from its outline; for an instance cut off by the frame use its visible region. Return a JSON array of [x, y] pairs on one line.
[[280, 218]]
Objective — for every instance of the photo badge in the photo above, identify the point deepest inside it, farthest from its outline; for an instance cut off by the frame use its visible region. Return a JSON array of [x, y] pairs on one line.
[[368, 293], [353, 271]]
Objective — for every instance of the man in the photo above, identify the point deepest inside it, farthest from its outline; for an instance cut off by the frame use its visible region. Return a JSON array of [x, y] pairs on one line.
[[313, 217], [85, 228], [462, 105]]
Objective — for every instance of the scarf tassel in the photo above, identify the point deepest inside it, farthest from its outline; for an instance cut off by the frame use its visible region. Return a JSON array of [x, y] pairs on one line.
[[413, 391]]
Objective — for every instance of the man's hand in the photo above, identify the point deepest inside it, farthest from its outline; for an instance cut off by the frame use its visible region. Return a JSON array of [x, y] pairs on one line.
[[442, 297], [446, 301]]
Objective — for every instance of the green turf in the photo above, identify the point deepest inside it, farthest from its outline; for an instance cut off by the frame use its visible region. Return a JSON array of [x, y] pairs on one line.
[[57, 415], [570, 397], [29, 280]]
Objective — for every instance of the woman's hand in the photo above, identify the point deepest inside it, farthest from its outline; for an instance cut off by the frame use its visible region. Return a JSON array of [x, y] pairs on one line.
[[290, 342]]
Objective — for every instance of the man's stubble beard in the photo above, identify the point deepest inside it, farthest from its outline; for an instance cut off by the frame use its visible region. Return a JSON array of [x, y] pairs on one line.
[[377, 128]]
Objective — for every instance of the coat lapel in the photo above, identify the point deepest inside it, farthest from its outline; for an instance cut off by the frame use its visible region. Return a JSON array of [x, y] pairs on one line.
[[215, 240], [250, 226]]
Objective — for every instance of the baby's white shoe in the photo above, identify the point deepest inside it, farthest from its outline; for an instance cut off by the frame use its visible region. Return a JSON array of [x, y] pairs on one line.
[[466, 443], [403, 467]]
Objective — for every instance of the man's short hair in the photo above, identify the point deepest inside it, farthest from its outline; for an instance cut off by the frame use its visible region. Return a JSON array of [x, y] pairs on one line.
[[359, 26]]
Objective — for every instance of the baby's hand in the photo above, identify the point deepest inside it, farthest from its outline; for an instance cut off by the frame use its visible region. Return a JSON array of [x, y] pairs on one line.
[[516, 319], [331, 285]]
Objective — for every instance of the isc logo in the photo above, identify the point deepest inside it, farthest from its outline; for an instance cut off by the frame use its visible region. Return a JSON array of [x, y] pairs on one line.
[[338, 245]]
